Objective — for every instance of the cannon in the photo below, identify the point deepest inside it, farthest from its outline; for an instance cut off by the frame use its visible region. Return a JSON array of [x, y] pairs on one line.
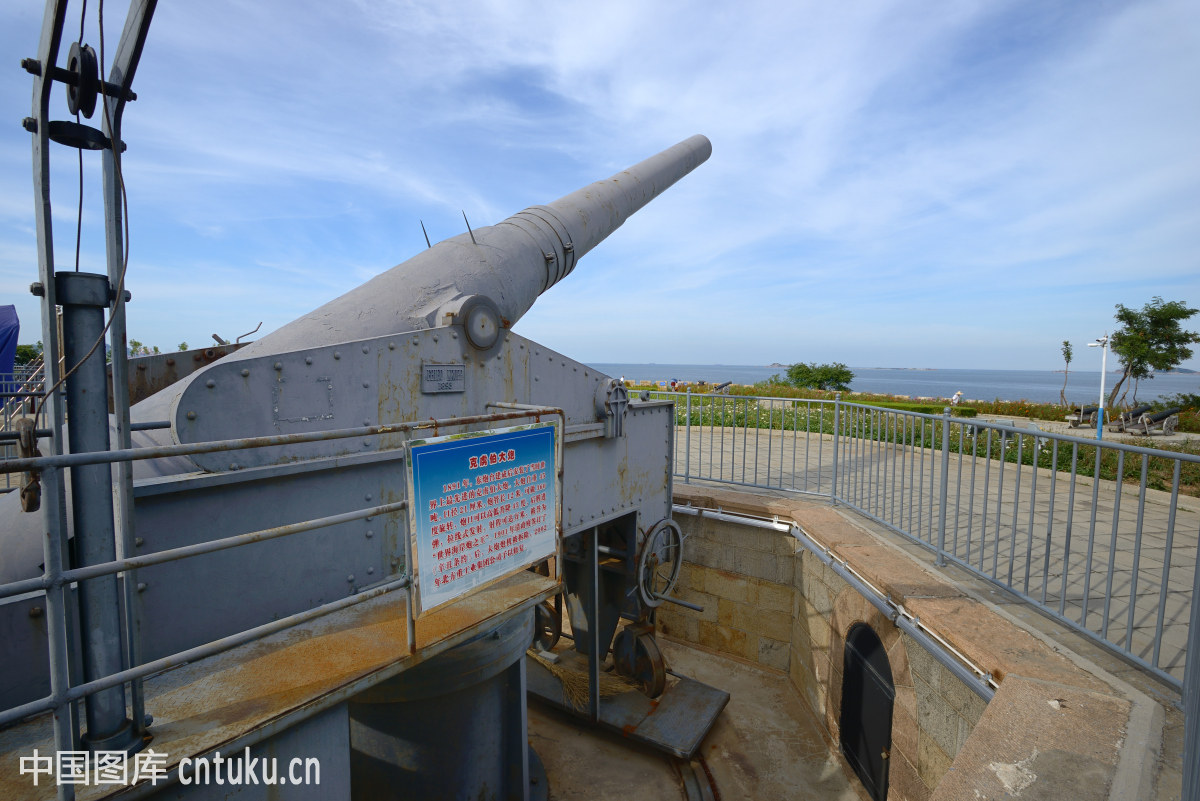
[[398, 443]]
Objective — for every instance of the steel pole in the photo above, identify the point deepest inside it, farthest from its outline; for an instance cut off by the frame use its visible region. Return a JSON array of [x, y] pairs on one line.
[[944, 493], [837, 422], [84, 297], [1103, 374], [1191, 700]]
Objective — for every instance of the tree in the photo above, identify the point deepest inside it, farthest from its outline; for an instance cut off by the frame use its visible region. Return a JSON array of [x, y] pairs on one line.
[[1150, 339], [28, 353], [836, 376], [1067, 354], [182, 346]]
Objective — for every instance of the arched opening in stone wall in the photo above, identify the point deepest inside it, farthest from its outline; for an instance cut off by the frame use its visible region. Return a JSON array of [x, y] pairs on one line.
[[868, 694]]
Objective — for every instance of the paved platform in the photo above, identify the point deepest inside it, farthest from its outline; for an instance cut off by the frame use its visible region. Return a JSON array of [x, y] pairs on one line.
[[765, 745], [1073, 546]]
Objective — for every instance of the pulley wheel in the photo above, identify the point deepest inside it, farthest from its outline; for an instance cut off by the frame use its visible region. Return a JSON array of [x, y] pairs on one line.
[[659, 562], [81, 95], [637, 657], [547, 626]]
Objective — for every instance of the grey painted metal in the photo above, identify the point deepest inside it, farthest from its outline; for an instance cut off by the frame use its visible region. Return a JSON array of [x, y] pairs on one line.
[[123, 66], [321, 737], [224, 446], [452, 727], [53, 506], [83, 297], [148, 374], [1191, 701], [197, 653], [945, 494], [299, 504]]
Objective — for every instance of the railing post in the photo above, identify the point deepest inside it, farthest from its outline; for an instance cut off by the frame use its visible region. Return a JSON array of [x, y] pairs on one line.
[[944, 492], [1191, 700], [687, 439], [837, 424]]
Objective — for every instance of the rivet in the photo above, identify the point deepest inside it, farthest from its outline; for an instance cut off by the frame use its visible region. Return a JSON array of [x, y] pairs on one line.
[[391, 346], [210, 383], [337, 354], [435, 337], [139, 542], [367, 497], [369, 518], [370, 533], [141, 587], [454, 335], [233, 466], [35, 611], [191, 415], [414, 340], [366, 443], [366, 349], [350, 578], [278, 366], [308, 359], [370, 571], [245, 372], [366, 384], [366, 422]]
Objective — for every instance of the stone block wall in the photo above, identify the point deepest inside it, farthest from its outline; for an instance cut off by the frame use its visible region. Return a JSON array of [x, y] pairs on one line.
[[769, 600], [743, 578]]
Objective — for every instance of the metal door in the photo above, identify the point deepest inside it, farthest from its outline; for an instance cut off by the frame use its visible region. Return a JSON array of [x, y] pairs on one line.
[[866, 719]]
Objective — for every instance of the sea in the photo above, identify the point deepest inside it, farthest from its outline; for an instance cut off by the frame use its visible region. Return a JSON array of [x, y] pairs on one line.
[[1039, 386]]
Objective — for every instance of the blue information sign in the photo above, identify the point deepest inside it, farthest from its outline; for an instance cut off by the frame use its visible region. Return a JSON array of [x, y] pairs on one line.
[[483, 507]]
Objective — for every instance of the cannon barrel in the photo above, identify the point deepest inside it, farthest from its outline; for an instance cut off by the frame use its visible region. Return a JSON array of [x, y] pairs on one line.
[[509, 264], [486, 279]]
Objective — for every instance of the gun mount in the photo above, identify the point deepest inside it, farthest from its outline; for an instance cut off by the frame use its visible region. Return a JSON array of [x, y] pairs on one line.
[[367, 485]]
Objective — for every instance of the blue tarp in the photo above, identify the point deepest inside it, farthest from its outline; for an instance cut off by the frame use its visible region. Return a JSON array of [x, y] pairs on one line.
[[10, 329]]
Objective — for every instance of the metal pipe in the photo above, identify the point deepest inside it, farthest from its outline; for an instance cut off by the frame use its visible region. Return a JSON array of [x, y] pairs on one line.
[[69, 460], [199, 652], [84, 297], [945, 487]]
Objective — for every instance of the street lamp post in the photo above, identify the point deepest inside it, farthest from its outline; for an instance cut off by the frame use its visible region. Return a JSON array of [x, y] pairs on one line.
[[1101, 343]]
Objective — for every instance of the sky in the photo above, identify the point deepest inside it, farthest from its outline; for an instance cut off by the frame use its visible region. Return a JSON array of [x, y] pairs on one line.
[[945, 184]]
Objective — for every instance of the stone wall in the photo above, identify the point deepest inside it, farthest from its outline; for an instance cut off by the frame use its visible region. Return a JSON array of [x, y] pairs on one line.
[[768, 600], [1058, 726]]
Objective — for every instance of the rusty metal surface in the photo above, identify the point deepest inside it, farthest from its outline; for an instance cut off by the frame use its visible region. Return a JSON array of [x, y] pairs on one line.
[[249, 693], [150, 374], [676, 722]]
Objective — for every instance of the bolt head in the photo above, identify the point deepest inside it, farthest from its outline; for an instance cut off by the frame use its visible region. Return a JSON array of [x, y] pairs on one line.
[[37, 289]]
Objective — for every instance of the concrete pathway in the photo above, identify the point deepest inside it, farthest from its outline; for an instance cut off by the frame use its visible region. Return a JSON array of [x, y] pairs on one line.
[[765, 745]]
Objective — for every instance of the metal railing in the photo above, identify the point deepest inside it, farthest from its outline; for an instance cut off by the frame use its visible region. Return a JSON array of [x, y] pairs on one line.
[[56, 580], [1100, 536]]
